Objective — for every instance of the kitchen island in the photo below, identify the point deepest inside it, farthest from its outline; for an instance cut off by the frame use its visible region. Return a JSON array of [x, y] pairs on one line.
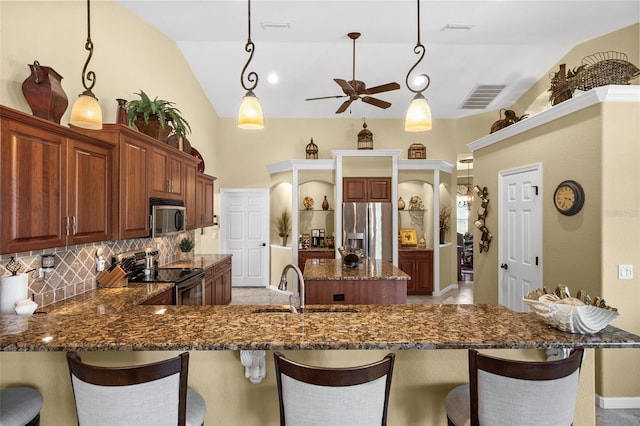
[[110, 327], [372, 281]]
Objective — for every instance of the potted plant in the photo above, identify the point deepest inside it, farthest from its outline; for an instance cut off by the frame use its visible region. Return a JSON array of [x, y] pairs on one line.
[[186, 246], [445, 216], [283, 226], [152, 116]]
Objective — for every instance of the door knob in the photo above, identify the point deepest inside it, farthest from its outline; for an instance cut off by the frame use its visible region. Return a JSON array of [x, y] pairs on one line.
[[504, 266], [264, 244]]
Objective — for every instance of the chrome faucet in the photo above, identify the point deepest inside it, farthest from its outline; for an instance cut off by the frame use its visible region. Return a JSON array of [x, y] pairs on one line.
[[283, 286]]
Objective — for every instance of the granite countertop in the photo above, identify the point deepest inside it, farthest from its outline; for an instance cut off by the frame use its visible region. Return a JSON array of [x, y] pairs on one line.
[[203, 261], [317, 249], [121, 327], [368, 269], [405, 248]]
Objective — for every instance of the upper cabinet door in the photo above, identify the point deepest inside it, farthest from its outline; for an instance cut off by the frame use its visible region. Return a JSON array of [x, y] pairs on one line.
[[366, 190], [134, 189], [89, 193], [33, 195]]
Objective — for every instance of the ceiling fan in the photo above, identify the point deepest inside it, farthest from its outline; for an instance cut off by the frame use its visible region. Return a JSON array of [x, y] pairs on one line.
[[356, 89]]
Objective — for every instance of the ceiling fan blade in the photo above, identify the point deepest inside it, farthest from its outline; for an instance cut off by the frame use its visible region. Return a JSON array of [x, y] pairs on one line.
[[344, 106], [326, 97], [382, 88], [376, 102], [344, 84]]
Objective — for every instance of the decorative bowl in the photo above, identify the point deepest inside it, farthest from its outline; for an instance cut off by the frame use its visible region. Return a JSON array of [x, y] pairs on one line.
[[582, 319]]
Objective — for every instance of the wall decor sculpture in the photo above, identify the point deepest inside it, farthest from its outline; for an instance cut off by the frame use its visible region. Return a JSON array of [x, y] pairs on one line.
[[485, 239]]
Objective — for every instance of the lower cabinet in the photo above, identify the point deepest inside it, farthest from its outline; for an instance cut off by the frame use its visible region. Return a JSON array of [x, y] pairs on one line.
[[303, 255], [217, 283], [164, 298], [419, 265]]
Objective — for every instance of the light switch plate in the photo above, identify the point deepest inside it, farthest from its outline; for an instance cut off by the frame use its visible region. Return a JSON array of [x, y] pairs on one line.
[[625, 272]]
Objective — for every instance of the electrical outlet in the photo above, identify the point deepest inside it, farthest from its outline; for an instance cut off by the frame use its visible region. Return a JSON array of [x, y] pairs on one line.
[[625, 272]]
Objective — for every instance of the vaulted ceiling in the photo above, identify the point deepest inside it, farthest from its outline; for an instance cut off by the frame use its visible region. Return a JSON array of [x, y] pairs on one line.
[[468, 43]]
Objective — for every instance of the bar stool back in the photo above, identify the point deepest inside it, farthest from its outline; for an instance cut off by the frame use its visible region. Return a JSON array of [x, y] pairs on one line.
[[333, 396], [20, 406], [507, 392], [153, 394]]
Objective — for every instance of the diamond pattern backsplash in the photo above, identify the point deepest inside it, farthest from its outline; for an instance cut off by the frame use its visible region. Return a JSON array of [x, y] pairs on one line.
[[75, 266]]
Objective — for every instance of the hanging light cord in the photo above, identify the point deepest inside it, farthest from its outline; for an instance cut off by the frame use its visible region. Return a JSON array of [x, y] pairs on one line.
[[418, 50], [90, 75], [252, 77]]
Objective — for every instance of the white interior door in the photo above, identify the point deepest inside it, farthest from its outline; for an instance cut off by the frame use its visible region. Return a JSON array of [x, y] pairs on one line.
[[244, 230], [520, 223]]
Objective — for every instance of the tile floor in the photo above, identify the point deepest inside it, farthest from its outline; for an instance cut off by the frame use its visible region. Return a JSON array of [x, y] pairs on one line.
[[464, 294]]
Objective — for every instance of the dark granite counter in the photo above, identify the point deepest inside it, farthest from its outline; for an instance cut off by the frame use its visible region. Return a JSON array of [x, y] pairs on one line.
[[368, 269], [106, 320], [203, 261]]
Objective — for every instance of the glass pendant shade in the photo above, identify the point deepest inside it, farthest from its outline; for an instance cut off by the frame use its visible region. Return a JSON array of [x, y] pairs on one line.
[[418, 117], [86, 112], [250, 113]]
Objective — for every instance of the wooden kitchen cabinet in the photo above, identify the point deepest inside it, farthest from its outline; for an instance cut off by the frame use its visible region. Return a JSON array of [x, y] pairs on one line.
[[204, 200], [419, 265], [360, 189], [164, 298], [304, 255], [167, 180], [55, 185], [133, 199], [190, 194], [217, 283]]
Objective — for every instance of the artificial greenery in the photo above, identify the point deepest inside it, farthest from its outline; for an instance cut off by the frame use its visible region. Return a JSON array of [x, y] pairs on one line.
[[283, 224], [186, 245], [160, 109]]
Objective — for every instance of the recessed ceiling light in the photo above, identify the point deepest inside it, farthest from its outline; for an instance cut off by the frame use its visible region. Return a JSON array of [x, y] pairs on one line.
[[461, 27], [273, 78], [275, 25]]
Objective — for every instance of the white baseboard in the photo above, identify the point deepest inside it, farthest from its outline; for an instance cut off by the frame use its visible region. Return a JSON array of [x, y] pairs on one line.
[[446, 289], [618, 403]]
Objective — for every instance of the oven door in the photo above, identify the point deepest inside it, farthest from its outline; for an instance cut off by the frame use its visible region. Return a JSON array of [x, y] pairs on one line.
[[191, 291]]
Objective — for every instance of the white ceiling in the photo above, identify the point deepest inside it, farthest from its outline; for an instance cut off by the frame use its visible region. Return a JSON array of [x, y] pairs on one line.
[[512, 43]]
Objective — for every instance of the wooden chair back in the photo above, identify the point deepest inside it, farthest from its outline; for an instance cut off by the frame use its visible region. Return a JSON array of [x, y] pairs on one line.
[[154, 393], [333, 396]]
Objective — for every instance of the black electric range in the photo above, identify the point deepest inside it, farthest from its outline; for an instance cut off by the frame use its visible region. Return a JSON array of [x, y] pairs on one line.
[[189, 282]]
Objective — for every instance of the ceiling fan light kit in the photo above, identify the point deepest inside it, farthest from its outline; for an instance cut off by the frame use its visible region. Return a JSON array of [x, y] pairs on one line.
[[418, 117], [357, 89], [250, 115]]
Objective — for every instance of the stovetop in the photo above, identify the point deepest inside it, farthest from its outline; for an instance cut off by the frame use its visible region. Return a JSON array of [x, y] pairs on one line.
[[133, 263], [167, 275]]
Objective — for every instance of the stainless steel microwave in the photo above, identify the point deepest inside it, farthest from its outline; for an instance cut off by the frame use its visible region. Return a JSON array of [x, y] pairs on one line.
[[168, 217]]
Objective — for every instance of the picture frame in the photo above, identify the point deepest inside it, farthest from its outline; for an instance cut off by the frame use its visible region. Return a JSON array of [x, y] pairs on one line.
[[408, 237]]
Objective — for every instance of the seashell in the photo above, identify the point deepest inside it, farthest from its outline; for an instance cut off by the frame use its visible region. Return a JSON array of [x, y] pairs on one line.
[[584, 319], [571, 301], [562, 291]]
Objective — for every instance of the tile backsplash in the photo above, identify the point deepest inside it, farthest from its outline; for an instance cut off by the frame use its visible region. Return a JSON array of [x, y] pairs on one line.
[[75, 266]]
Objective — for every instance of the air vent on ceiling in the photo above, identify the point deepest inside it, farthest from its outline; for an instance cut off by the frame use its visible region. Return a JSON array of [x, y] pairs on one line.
[[481, 96], [457, 27], [275, 25]]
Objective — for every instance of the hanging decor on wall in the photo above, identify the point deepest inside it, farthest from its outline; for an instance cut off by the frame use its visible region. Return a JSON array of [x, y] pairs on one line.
[[485, 239]]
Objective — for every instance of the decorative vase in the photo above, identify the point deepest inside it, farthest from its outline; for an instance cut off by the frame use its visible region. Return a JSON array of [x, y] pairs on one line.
[[401, 204], [284, 239], [153, 128], [442, 235], [44, 94], [325, 203], [121, 114], [185, 256]]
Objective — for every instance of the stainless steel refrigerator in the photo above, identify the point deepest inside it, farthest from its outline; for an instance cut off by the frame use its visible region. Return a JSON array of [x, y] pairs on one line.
[[368, 226]]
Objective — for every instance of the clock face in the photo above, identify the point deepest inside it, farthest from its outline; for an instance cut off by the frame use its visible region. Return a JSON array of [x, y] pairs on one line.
[[568, 197]]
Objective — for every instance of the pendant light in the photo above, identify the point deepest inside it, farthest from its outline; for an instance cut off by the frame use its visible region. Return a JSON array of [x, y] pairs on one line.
[[465, 200], [418, 117], [86, 112], [250, 113]]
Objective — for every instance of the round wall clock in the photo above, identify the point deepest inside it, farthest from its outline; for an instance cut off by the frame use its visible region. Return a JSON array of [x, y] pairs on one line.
[[568, 197]]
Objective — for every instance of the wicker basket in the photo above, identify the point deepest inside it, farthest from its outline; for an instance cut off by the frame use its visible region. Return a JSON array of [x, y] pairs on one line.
[[585, 319]]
